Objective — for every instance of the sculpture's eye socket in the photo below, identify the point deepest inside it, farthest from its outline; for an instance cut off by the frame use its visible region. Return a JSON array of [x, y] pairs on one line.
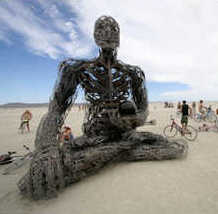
[[115, 29], [100, 26]]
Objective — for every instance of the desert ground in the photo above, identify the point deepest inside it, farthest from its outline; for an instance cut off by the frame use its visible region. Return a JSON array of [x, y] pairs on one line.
[[183, 186]]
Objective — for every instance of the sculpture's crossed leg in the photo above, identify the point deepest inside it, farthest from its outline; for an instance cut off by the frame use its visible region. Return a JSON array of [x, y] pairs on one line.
[[52, 169]]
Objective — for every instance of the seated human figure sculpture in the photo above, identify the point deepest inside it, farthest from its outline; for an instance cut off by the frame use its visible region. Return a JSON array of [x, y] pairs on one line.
[[118, 104]]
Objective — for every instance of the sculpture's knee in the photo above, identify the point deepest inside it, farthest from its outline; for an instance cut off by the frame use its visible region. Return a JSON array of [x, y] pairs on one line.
[[179, 148], [164, 150]]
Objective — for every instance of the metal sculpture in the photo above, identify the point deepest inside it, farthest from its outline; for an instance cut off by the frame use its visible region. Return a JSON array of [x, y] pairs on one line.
[[118, 104]]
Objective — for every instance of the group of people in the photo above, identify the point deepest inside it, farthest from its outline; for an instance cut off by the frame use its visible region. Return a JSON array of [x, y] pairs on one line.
[[187, 111], [168, 105]]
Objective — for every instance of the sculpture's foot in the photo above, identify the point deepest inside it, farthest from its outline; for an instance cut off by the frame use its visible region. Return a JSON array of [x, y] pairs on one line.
[[45, 175]]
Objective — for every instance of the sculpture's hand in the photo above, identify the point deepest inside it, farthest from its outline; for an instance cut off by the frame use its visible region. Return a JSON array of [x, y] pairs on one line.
[[135, 120], [127, 122], [45, 175]]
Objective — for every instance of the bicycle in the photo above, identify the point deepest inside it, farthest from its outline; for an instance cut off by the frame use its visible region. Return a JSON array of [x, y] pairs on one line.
[[18, 161], [206, 128], [8, 158], [209, 116], [190, 133]]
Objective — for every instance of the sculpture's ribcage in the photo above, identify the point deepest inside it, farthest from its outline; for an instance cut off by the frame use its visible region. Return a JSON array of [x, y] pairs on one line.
[[97, 85]]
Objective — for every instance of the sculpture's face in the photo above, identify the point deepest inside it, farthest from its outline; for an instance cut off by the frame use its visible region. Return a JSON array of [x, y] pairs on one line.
[[107, 32]]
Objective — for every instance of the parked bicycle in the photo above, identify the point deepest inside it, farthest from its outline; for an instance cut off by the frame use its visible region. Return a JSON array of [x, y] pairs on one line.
[[17, 161], [209, 116], [8, 158], [190, 133], [207, 128]]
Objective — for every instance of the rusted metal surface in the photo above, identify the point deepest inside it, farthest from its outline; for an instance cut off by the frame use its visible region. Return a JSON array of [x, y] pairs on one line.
[[117, 105]]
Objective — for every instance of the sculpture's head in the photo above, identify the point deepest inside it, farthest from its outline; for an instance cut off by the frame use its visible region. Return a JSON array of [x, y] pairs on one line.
[[107, 32]]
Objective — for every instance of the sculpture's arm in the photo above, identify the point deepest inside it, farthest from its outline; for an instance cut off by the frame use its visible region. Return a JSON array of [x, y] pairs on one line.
[[139, 90], [139, 95], [46, 172], [140, 102], [61, 99]]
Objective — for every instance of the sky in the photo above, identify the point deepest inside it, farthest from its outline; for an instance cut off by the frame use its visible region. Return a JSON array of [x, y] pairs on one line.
[[174, 42]]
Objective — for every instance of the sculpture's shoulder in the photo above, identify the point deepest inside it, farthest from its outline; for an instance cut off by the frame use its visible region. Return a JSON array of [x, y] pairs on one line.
[[74, 65], [133, 70]]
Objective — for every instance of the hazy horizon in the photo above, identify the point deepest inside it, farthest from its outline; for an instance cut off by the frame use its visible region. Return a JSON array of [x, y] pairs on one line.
[[46, 103]]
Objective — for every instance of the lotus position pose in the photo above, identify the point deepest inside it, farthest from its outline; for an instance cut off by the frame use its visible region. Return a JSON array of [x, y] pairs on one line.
[[117, 105]]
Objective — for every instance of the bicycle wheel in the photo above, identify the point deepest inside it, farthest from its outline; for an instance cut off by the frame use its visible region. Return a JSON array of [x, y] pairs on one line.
[[190, 133], [17, 163], [169, 131]]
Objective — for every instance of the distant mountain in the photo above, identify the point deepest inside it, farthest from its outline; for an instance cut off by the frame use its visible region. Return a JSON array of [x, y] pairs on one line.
[[24, 105], [29, 105]]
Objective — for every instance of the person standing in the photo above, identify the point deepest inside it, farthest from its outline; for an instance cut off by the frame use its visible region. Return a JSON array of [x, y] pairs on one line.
[[25, 118], [186, 111], [202, 109], [193, 109]]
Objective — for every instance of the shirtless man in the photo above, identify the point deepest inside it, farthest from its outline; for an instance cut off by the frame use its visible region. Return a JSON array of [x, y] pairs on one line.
[[202, 109]]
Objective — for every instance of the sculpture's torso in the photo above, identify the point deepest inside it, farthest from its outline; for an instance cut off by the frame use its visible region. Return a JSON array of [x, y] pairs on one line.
[[106, 86], [100, 88], [105, 89]]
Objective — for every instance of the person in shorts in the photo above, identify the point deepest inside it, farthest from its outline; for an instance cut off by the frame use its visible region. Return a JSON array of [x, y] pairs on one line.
[[186, 111]]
